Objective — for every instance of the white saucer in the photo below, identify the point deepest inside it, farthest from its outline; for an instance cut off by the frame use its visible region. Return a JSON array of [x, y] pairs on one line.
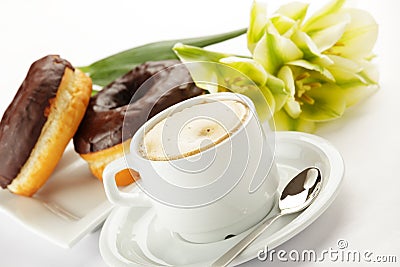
[[132, 236]]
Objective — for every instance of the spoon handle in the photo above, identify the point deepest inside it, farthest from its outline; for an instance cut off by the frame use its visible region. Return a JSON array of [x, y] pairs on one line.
[[233, 252]]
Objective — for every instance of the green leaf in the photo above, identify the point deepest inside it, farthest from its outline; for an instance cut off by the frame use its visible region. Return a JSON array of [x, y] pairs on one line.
[[108, 69]]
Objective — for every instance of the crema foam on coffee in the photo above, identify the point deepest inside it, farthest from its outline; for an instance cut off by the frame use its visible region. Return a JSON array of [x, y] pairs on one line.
[[194, 129]]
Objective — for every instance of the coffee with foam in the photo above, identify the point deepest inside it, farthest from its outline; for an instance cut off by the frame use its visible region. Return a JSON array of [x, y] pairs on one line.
[[193, 129]]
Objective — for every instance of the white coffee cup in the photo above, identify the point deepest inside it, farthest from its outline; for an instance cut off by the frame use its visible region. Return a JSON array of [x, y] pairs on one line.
[[205, 197]]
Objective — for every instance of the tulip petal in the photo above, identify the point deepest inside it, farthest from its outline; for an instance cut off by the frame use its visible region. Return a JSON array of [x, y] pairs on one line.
[[356, 93], [282, 24], [265, 112], [315, 67], [248, 67], [345, 63], [207, 76], [346, 71], [370, 72], [278, 90], [330, 8], [258, 21], [280, 101], [327, 21], [329, 103], [309, 48], [294, 10], [283, 122], [292, 107], [360, 36], [328, 37], [276, 85], [274, 50], [261, 96], [194, 53], [286, 75]]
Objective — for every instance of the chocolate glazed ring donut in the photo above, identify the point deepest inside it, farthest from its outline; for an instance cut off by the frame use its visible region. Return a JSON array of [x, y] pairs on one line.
[[40, 122], [99, 139]]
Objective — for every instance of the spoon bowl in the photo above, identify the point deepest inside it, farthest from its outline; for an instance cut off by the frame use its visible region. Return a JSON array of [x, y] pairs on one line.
[[300, 191], [297, 195]]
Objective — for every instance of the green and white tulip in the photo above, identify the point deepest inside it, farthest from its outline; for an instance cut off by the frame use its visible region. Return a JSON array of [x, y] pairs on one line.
[[308, 70]]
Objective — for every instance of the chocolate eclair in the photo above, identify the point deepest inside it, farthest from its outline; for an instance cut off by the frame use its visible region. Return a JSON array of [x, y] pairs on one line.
[[40, 121]]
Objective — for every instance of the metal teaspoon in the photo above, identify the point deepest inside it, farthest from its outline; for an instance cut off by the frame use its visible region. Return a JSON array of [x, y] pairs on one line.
[[297, 195]]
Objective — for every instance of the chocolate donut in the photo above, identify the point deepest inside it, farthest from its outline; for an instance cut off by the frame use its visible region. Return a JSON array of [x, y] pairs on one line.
[[39, 123], [100, 139]]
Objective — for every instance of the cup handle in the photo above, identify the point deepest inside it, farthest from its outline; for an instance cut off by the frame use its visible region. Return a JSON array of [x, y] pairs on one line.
[[114, 195]]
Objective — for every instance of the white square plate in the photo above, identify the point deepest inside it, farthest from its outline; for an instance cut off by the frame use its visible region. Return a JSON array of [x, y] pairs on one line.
[[71, 204]]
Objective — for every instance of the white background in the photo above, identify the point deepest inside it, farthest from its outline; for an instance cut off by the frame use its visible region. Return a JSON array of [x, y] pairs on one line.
[[366, 212]]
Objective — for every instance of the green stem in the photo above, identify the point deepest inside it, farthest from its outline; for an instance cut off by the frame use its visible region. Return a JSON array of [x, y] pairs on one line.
[[108, 69]]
